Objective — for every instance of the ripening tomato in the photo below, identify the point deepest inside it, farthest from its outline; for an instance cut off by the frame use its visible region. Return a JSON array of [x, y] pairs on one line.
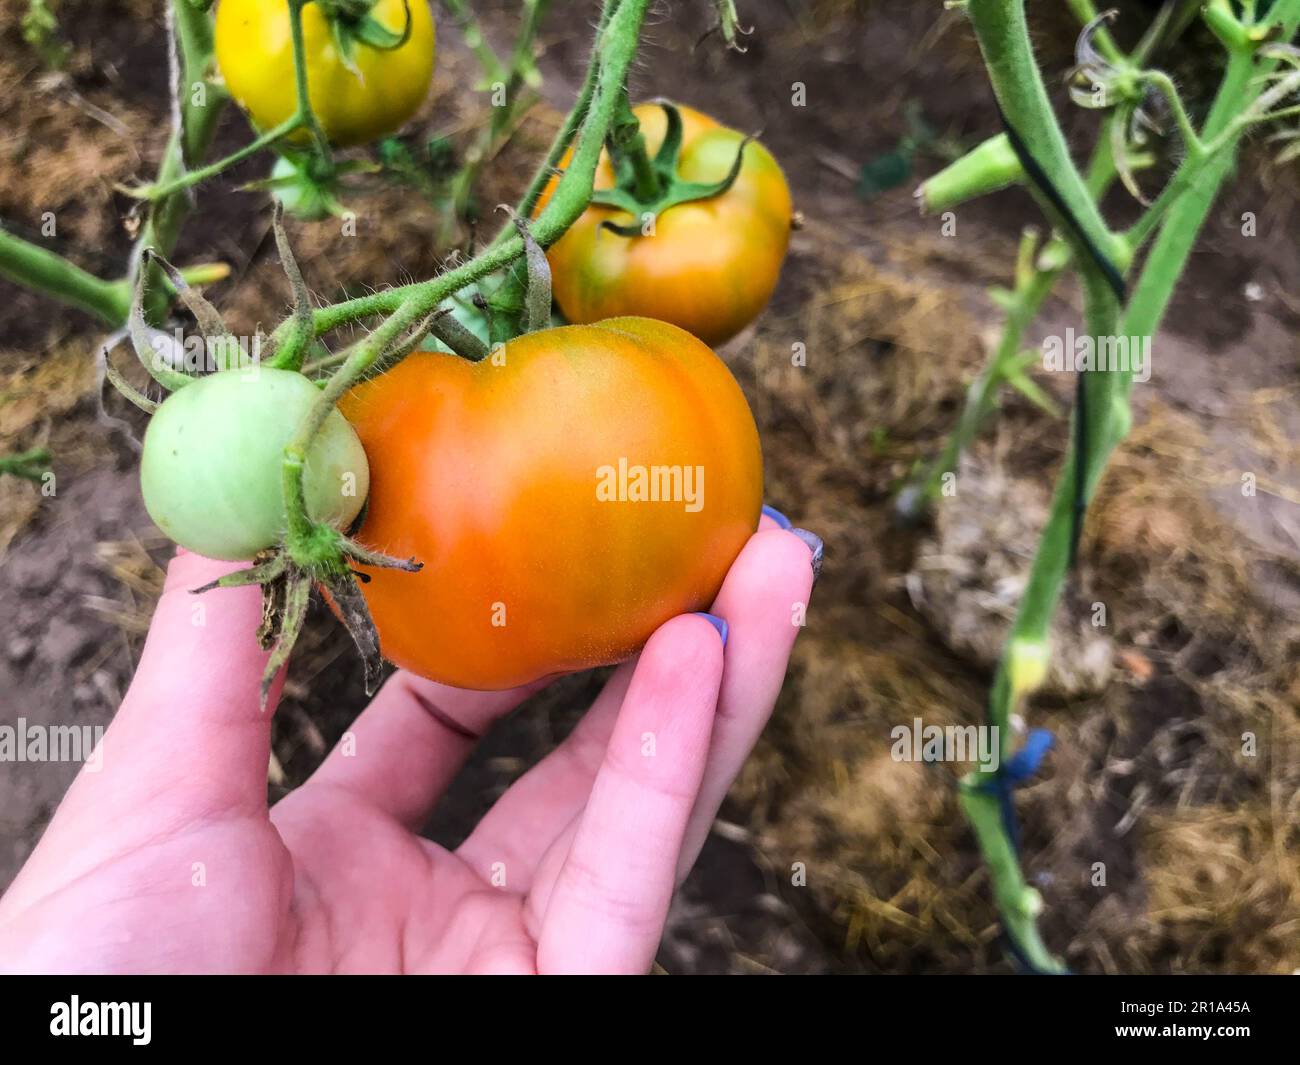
[[710, 265], [567, 496], [213, 452], [255, 54]]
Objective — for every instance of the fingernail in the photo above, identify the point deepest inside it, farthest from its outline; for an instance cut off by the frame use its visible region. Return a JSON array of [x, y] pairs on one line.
[[777, 517], [815, 545], [718, 623]]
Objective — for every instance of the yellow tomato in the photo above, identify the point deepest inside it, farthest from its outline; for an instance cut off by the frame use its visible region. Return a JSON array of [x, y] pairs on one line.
[[254, 49]]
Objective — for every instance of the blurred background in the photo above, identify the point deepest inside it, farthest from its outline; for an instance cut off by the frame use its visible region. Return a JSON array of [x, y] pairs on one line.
[[1198, 840]]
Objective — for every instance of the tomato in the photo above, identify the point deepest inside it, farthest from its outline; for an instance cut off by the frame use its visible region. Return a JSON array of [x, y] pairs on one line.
[[255, 54], [710, 266], [298, 194], [521, 482], [210, 471]]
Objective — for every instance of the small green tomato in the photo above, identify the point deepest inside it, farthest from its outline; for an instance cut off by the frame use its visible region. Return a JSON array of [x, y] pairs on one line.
[[300, 195], [211, 467]]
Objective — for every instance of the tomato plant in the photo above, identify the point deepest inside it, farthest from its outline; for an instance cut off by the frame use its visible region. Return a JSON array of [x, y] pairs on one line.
[[210, 470], [362, 81], [708, 264], [524, 483]]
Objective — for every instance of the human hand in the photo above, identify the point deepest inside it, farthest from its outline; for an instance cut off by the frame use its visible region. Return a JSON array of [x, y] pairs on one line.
[[168, 860]]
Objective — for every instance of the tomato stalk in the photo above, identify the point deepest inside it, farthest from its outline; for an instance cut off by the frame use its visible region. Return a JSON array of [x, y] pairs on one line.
[[568, 129], [990, 166], [1102, 416], [45, 271], [304, 111], [198, 104], [516, 79], [628, 152], [1036, 274]]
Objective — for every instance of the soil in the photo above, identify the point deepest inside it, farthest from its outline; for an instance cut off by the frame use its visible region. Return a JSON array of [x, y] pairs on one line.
[[1196, 841]]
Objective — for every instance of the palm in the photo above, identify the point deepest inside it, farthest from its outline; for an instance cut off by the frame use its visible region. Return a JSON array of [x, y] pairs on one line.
[[168, 859]]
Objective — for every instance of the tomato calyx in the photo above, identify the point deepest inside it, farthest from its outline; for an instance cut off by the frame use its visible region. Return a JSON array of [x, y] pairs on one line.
[[313, 555], [307, 186], [351, 24], [645, 187]]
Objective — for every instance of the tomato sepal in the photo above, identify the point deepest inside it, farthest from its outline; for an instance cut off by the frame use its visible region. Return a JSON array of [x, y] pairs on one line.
[[351, 23], [317, 555], [631, 191]]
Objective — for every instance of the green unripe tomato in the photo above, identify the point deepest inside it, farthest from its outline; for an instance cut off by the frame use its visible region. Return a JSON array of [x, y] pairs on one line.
[[300, 196], [213, 454]]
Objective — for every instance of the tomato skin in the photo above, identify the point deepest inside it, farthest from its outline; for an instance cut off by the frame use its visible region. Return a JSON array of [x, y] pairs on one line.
[[210, 469], [255, 54], [711, 265], [489, 476]]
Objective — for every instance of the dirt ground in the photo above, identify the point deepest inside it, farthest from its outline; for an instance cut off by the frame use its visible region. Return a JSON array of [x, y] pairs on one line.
[[1201, 583]]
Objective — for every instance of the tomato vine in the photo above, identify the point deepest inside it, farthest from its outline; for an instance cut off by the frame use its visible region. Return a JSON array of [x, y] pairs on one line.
[[1261, 73]]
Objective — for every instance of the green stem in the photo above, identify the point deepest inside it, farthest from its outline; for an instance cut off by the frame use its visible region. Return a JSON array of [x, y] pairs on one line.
[[1165, 86], [305, 112], [628, 145], [45, 271], [194, 34], [189, 143], [572, 121], [195, 177], [363, 356], [1108, 418], [1036, 277], [1004, 40], [504, 120], [475, 41], [1018, 903], [1184, 218]]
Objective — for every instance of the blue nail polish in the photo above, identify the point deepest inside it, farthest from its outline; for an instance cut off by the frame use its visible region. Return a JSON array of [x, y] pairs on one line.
[[777, 517], [815, 545], [718, 623]]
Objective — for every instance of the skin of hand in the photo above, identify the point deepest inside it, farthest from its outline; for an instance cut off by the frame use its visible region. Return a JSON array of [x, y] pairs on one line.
[[167, 859]]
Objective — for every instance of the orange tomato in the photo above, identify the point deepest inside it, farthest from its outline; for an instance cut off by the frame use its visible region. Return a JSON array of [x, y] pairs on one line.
[[567, 496], [710, 265]]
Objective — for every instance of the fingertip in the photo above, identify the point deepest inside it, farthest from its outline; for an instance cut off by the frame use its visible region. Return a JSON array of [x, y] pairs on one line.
[[686, 647], [778, 553], [774, 519], [719, 624]]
